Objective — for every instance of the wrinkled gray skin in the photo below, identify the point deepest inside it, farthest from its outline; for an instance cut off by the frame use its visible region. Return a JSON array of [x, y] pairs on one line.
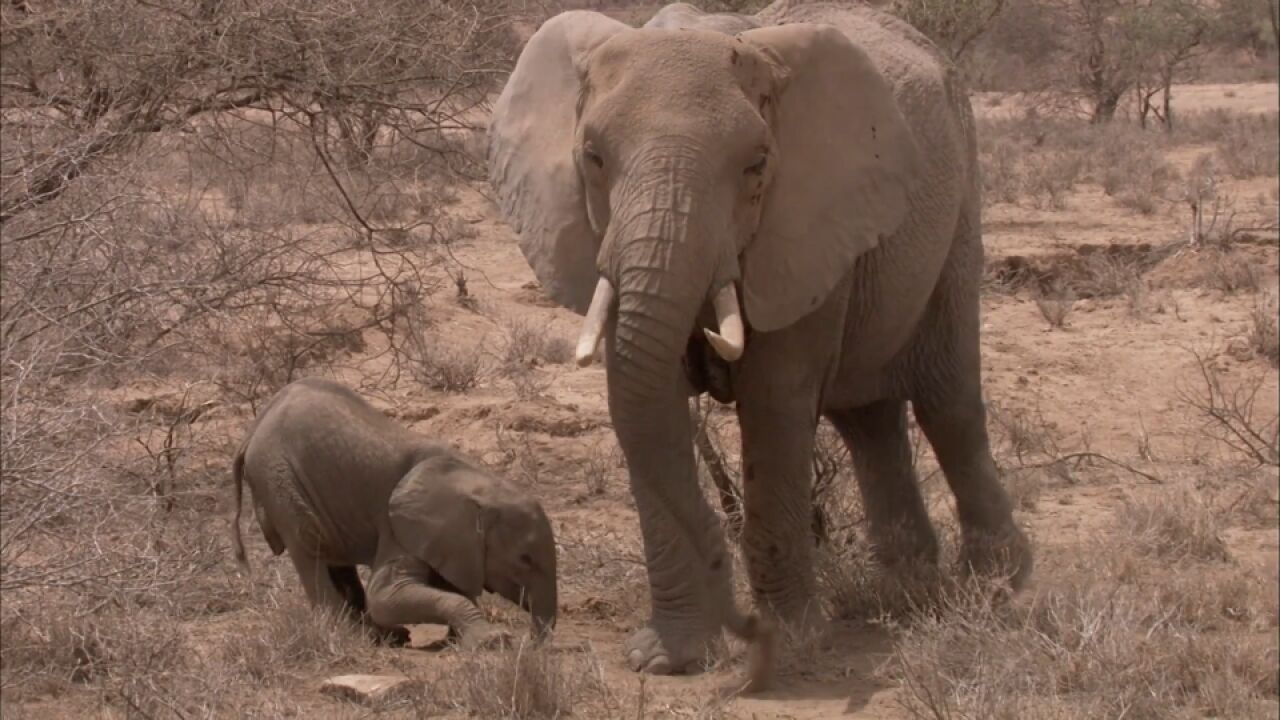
[[827, 168], [338, 484]]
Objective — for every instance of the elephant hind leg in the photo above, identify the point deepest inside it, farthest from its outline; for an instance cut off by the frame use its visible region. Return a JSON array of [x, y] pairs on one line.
[[993, 543], [318, 582], [881, 449], [944, 381]]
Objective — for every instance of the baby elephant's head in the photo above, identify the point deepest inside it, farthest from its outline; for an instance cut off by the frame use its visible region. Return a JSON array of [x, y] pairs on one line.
[[520, 556], [480, 532]]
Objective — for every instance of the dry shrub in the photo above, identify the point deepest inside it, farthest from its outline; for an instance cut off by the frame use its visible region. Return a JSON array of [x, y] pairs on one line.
[[1138, 177], [1174, 527], [443, 366], [1045, 157], [1230, 414], [1051, 176], [1002, 176], [1233, 272], [526, 682], [1104, 275], [532, 343], [601, 464], [1250, 146], [528, 382], [1055, 304], [529, 345], [1264, 336], [520, 456], [1098, 639]]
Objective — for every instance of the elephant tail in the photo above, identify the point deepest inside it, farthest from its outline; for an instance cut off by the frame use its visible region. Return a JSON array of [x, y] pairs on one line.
[[237, 478], [762, 635]]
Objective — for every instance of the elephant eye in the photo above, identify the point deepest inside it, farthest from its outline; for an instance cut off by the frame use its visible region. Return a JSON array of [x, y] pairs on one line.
[[526, 559], [593, 156], [758, 167]]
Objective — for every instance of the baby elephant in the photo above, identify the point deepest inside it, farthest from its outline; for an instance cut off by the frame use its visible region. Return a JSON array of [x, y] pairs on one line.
[[338, 484]]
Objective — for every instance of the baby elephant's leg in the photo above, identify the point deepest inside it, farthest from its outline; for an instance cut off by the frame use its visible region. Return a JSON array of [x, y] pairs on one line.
[[397, 599], [347, 580]]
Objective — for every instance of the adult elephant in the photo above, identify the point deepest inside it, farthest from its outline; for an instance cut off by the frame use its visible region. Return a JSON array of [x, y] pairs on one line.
[[803, 198]]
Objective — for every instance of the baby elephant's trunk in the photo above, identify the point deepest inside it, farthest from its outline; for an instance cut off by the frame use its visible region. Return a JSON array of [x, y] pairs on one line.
[[541, 603]]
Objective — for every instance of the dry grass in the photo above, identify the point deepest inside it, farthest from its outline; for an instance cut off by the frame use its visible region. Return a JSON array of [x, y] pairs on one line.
[[1264, 336], [294, 637], [1232, 272], [1249, 147], [144, 661], [526, 682], [1104, 637], [1174, 527]]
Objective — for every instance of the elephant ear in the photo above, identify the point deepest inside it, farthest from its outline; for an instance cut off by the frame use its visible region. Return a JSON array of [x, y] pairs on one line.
[[844, 163], [437, 514], [531, 155]]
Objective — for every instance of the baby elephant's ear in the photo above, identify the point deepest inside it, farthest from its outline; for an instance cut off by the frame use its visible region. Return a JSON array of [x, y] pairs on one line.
[[436, 513]]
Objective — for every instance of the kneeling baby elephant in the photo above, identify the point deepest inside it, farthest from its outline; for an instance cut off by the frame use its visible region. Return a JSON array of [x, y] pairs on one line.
[[338, 484]]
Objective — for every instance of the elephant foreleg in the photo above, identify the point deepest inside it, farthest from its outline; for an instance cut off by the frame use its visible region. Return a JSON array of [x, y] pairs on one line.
[[397, 600], [777, 442]]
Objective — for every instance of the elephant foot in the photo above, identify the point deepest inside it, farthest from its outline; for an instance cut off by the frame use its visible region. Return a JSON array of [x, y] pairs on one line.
[[1005, 554], [481, 636], [666, 653], [905, 545]]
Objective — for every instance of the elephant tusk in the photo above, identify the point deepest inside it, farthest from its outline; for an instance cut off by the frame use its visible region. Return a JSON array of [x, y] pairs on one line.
[[730, 341], [593, 324]]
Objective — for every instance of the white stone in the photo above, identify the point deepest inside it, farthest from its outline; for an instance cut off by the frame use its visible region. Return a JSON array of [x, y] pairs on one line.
[[366, 689]]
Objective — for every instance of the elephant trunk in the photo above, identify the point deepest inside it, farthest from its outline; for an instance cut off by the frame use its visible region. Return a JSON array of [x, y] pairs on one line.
[[665, 263], [541, 605]]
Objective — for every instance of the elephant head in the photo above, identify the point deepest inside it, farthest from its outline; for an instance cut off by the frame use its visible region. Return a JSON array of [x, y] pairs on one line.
[[479, 532], [661, 180]]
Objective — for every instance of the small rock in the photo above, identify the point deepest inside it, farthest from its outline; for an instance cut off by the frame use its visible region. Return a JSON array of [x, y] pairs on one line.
[[367, 690]]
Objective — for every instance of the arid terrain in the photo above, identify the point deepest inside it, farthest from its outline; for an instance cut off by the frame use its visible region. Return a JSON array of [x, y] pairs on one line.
[[1130, 370]]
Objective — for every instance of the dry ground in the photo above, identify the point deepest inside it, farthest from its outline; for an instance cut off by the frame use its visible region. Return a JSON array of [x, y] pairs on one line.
[[1114, 349]]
